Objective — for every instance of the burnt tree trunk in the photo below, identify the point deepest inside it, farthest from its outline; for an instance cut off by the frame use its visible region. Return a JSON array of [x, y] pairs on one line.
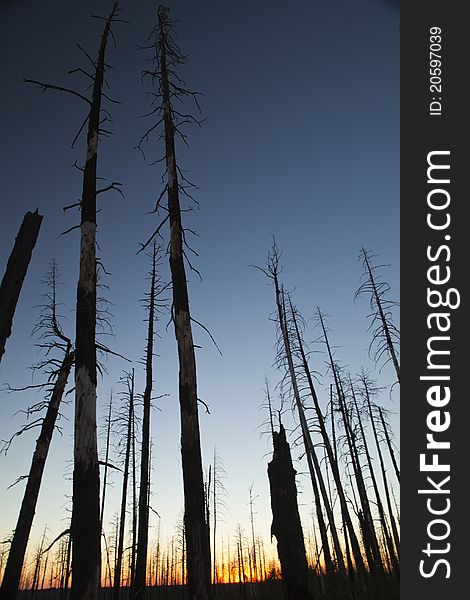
[[333, 459], [388, 540], [125, 478], [312, 459], [12, 574], [142, 536], [371, 544], [286, 526], [389, 444], [354, 543], [385, 324], [15, 273], [86, 527], [106, 461], [197, 538], [396, 537]]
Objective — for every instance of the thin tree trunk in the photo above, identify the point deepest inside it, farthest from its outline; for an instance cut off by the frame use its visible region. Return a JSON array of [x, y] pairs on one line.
[[106, 460], [85, 528], [197, 538], [383, 319], [133, 549], [396, 537], [333, 530], [352, 536], [125, 478], [388, 541], [312, 459], [370, 536], [15, 273], [255, 566], [214, 519], [389, 444], [332, 456], [12, 574], [142, 539]]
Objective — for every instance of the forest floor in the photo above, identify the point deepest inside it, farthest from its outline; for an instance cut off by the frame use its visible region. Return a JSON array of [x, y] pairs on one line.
[[378, 589]]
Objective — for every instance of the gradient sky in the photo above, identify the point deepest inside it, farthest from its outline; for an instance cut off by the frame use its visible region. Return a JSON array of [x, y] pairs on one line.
[[301, 141]]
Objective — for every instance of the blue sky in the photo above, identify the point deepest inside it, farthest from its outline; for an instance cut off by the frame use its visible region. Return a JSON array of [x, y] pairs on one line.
[[301, 141]]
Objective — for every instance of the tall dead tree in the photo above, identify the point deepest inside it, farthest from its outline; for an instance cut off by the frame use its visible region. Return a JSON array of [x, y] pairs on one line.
[[360, 567], [368, 390], [384, 333], [170, 87], [378, 499], [286, 526], [370, 539], [389, 442], [129, 395], [85, 527], [252, 522], [311, 457], [272, 271], [142, 534], [106, 458], [218, 496], [15, 273], [52, 338]]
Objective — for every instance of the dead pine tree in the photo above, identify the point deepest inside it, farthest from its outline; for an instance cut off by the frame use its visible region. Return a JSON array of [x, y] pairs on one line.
[[367, 391], [129, 420], [384, 333], [349, 531], [285, 356], [140, 576], [52, 339], [252, 522], [218, 495], [389, 442], [170, 87], [286, 526], [106, 457], [15, 273], [86, 530], [371, 545], [378, 499]]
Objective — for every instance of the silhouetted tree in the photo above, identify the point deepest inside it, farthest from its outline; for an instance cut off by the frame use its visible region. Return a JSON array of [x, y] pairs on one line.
[[385, 429], [367, 391], [170, 86], [384, 333], [286, 526], [52, 339], [129, 396], [15, 273], [86, 529], [142, 537]]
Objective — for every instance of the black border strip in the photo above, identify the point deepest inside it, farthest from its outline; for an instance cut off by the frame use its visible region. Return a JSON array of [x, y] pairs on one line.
[[422, 133]]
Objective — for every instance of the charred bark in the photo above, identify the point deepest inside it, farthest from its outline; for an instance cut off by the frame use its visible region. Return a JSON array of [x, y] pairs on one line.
[[286, 526], [15, 273], [12, 574], [86, 526], [388, 540], [142, 535], [389, 444], [125, 478], [197, 538], [367, 392], [314, 465], [367, 522]]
